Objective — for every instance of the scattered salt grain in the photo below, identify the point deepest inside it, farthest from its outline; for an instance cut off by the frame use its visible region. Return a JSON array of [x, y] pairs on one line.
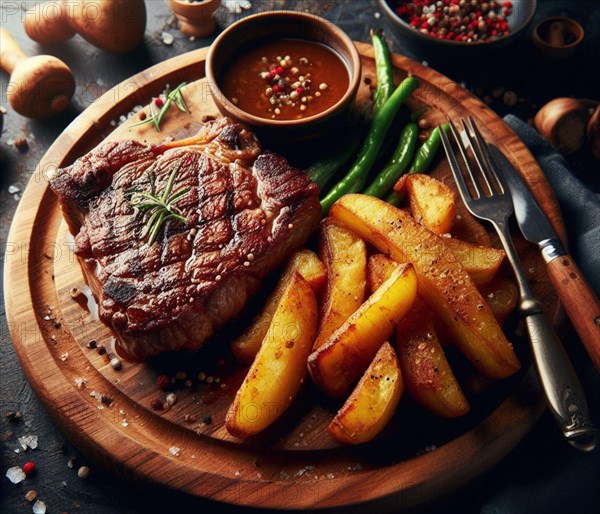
[[174, 450], [80, 382], [167, 38], [39, 507], [64, 356], [15, 474], [13, 189], [236, 6], [124, 422], [29, 441]]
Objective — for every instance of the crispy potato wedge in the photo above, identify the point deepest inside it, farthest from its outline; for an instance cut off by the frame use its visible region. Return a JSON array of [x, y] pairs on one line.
[[379, 269], [279, 368], [427, 375], [431, 202], [373, 402], [305, 262], [443, 282], [345, 257], [481, 262], [340, 361], [502, 296]]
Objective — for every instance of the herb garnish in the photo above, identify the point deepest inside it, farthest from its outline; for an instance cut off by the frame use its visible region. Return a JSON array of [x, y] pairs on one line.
[[175, 96], [159, 205]]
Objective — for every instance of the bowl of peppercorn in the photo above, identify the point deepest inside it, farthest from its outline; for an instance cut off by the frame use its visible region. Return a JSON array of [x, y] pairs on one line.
[[457, 27], [289, 76]]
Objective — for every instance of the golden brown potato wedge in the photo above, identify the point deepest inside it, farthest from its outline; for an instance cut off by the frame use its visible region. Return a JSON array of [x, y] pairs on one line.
[[279, 368], [481, 262], [379, 269], [373, 402], [336, 364], [305, 262], [432, 202], [502, 296], [426, 372], [443, 282], [345, 257]]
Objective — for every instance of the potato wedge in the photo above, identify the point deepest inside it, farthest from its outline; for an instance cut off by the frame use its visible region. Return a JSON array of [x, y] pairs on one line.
[[305, 262], [502, 296], [379, 269], [345, 257], [279, 368], [480, 262], [426, 372], [443, 282], [373, 402], [340, 361], [432, 202]]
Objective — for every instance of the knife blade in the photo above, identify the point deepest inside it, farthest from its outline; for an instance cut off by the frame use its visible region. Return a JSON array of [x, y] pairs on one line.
[[577, 297]]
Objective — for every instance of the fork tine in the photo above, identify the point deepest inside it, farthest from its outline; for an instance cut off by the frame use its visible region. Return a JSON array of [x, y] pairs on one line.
[[463, 153], [454, 166], [484, 158], [483, 174]]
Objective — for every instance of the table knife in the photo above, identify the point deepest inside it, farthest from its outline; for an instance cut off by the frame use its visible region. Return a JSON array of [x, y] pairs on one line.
[[576, 296]]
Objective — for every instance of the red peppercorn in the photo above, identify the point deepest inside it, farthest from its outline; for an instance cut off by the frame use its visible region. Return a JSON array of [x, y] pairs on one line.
[[163, 381], [279, 70], [158, 102], [276, 88], [28, 468]]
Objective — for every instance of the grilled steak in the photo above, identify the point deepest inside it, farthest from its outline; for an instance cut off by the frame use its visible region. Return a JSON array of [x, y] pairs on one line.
[[246, 212]]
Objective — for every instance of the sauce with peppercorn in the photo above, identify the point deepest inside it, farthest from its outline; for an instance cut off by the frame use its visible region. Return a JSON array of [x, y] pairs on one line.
[[286, 79]]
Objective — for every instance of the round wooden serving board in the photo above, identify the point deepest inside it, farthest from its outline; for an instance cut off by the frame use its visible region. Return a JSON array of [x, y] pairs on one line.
[[296, 465]]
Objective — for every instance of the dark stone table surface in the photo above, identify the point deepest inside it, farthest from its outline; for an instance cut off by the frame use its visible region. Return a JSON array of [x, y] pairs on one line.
[[541, 475]]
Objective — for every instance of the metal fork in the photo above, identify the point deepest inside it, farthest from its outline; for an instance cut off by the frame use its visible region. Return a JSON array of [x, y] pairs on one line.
[[491, 201]]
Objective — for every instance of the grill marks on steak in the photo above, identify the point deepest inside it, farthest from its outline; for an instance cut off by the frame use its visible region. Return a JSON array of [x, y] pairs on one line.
[[246, 212]]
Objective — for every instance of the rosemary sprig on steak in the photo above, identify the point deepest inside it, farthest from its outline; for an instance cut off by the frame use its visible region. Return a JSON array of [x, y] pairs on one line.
[[160, 206]]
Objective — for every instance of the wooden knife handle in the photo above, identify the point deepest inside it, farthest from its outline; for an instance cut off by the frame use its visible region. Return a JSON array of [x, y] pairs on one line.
[[580, 302]]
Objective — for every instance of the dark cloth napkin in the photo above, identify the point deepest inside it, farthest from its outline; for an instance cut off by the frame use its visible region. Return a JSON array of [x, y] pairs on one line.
[[579, 205]]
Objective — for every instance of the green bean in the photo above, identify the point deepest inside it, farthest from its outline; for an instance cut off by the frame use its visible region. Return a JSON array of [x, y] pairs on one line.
[[426, 153], [394, 198], [355, 179], [398, 163], [323, 171], [383, 70]]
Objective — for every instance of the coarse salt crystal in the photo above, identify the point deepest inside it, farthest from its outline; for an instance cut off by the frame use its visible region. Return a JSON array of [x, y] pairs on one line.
[[174, 450], [167, 38], [15, 474], [29, 441], [39, 507]]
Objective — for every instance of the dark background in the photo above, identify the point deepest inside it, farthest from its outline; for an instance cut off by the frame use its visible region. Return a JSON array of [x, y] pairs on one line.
[[542, 474]]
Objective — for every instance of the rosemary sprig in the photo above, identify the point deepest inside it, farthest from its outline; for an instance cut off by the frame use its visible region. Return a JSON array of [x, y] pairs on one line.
[[176, 97], [159, 205]]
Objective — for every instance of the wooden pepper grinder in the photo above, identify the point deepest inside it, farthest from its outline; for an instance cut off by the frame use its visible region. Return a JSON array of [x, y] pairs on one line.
[[114, 25], [39, 86]]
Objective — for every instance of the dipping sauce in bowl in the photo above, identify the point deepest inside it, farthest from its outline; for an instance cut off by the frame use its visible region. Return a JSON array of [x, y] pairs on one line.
[[286, 79], [289, 76]]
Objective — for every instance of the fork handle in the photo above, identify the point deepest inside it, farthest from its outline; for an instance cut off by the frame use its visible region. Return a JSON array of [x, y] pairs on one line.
[[564, 394], [580, 302]]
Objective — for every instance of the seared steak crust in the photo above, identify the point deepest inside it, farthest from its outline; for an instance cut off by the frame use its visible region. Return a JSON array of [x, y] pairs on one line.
[[246, 211]]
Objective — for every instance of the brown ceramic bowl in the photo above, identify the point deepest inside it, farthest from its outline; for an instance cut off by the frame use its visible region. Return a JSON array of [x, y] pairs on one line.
[[270, 26], [557, 37], [195, 18]]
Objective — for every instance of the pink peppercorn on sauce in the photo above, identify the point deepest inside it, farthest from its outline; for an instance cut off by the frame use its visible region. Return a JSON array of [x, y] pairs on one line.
[[466, 21], [286, 79]]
